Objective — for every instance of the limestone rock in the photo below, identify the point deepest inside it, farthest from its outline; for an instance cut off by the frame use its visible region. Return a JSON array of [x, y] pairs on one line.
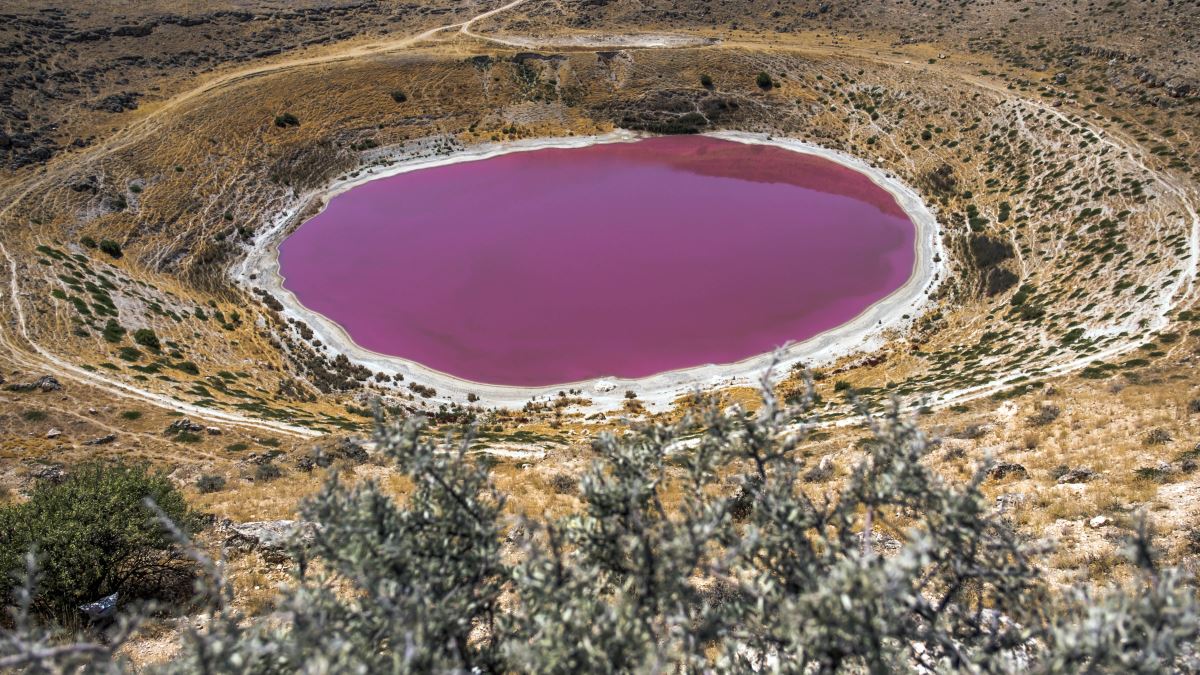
[[1077, 475], [45, 383], [184, 424], [1006, 469], [271, 538]]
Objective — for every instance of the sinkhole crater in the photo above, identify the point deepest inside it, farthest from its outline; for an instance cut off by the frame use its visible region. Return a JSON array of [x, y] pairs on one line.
[[554, 266]]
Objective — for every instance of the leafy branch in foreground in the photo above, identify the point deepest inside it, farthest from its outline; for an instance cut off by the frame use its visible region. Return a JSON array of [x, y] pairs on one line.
[[698, 548]]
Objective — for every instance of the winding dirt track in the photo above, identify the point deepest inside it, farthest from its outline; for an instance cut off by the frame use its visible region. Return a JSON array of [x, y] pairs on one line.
[[25, 353]]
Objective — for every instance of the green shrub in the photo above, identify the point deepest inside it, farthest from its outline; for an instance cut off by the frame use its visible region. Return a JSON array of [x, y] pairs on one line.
[[287, 119], [267, 472], [706, 81], [94, 536], [113, 331], [399, 96], [87, 242], [131, 415], [764, 81], [111, 247], [210, 483], [129, 353], [146, 338], [34, 415]]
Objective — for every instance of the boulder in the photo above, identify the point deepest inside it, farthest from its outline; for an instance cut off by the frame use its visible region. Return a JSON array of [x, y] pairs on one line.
[[271, 538], [823, 471], [184, 424], [103, 608], [881, 543], [1077, 475], [1009, 501], [50, 473], [1006, 469], [45, 383], [103, 440]]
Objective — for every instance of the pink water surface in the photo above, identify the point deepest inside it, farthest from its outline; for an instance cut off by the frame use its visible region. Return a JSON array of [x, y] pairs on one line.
[[627, 259]]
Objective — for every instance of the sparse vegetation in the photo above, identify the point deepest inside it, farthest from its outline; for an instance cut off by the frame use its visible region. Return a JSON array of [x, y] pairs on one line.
[[657, 583], [210, 483]]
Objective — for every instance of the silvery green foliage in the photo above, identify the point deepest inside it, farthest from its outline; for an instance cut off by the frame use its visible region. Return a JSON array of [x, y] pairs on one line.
[[695, 551]]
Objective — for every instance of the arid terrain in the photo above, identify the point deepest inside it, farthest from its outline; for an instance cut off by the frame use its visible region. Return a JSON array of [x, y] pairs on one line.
[[149, 149]]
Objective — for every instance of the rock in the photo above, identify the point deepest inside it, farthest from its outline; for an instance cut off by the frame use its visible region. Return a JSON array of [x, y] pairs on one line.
[[1005, 469], [351, 449], [1009, 501], [604, 386], [213, 431], [309, 462], [271, 538], [116, 103], [1099, 521], [881, 544], [1178, 89], [1060, 79], [49, 473], [184, 424], [54, 433], [821, 472], [103, 440], [45, 384], [1078, 475], [101, 609]]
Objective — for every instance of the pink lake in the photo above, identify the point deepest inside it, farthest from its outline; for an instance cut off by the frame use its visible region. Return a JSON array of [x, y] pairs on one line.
[[624, 259]]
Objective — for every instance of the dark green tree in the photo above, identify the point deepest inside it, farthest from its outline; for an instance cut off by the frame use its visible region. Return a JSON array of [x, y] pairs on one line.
[[147, 338], [94, 535], [111, 247]]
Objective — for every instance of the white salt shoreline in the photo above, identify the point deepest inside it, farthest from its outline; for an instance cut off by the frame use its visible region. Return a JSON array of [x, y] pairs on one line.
[[862, 334]]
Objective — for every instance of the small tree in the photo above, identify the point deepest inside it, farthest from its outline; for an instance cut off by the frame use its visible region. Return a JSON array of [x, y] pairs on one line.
[[146, 338], [111, 247], [94, 536], [113, 331]]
